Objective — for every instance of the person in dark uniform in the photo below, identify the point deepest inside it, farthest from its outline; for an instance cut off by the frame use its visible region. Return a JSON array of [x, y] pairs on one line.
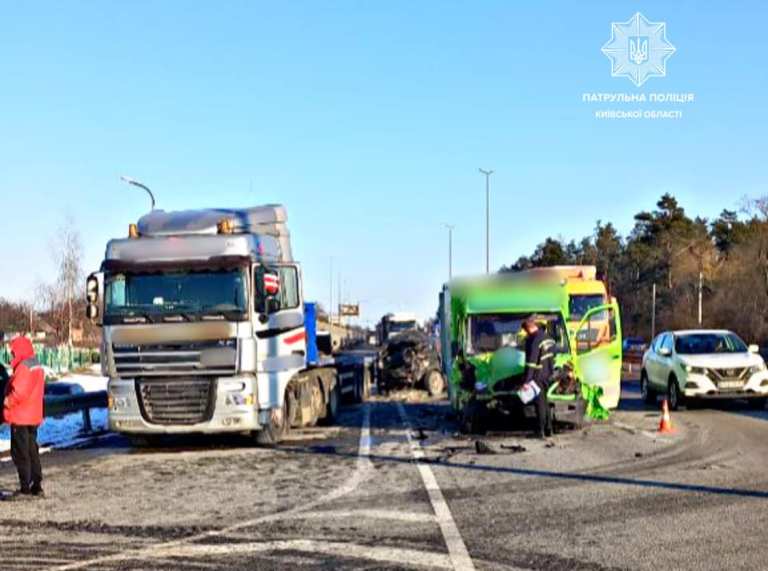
[[539, 367]]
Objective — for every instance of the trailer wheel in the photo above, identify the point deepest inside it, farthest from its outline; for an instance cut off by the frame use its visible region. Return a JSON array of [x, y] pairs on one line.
[[279, 424], [434, 383], [333, 404], [366, 392]]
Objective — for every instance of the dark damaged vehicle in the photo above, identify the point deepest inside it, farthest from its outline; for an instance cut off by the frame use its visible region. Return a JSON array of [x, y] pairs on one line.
[[410, 360]]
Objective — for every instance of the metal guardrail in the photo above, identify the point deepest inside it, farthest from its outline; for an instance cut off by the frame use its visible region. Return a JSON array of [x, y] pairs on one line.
[[67, 404]]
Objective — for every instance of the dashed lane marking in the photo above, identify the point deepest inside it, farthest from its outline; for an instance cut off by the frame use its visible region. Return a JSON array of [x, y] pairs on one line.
[[457, 550]]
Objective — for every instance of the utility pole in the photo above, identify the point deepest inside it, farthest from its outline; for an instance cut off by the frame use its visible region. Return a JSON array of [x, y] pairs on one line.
[[330, 296], [487, 219], [701, 287], [450, 250], [653, 311], [338, 302]]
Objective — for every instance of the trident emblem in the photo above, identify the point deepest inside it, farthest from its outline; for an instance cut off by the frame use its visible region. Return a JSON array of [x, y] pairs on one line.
[[638, 49]]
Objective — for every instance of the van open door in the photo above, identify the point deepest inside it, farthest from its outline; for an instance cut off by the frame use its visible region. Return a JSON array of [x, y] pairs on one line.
[[597, 340]]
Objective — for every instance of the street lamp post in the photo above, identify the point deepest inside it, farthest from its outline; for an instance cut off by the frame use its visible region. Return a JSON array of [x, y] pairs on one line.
[[136, 183], [487, 219], [450, 250]]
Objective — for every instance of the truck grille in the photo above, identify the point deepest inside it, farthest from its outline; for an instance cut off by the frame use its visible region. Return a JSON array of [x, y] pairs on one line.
[[188, 359], [176, 401]]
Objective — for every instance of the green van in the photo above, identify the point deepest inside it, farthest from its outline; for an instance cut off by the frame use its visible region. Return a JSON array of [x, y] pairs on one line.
[[480, 328]]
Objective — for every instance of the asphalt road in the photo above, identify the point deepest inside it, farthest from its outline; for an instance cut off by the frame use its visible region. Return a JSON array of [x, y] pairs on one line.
[[395, 487]]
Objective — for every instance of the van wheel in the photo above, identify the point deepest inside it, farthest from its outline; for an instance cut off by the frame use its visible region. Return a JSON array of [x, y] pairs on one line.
[[279, 425], [675, 398], [646, 392], [472, 418]]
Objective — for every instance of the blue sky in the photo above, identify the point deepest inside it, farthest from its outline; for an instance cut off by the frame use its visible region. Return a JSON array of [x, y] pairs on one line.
[[368, 120]]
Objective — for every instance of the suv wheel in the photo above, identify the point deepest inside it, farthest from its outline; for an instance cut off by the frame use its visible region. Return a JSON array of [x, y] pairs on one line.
[[646, 392], [675, 398]]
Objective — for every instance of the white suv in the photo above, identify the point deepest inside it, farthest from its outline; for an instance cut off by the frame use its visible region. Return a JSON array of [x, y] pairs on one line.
[[699, 364]]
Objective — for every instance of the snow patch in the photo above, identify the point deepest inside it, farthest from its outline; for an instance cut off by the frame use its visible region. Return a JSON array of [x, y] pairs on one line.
[[60, 432]]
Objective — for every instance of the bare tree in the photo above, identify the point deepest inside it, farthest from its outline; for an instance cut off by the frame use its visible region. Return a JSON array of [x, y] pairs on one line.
[[68, 252]]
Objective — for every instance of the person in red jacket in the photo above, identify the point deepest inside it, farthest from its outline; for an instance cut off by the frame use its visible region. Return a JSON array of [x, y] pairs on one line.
[[23, 410]]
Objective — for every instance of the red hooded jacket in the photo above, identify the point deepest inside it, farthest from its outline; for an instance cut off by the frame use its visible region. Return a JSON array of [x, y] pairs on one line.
[[23, 404]]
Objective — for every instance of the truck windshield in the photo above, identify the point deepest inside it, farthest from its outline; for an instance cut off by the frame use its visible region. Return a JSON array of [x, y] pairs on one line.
[[708, 343], [400, 326], [188, 293], [580, 304], [488, 332]]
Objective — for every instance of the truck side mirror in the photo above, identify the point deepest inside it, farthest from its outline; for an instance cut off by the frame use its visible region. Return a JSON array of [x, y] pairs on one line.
[[267, 283], [94, 297]]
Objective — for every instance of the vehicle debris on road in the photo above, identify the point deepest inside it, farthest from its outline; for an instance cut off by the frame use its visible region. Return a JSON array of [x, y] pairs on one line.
[[409, 360]]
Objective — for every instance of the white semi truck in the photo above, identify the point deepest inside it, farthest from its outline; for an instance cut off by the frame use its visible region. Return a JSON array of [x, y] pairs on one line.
[[204, 328]]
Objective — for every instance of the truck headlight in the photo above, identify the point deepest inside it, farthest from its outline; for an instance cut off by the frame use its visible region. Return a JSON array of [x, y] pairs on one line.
[[238, 399], [757, 368]]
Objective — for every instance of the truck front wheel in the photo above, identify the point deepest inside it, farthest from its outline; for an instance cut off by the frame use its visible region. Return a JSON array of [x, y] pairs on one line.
[[278, 428]]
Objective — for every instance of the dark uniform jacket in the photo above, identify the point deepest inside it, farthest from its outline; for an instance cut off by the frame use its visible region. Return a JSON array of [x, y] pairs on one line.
[[539, 358]]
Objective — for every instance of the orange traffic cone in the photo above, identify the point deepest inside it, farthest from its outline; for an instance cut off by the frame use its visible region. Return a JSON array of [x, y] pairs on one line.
[[666, 422]]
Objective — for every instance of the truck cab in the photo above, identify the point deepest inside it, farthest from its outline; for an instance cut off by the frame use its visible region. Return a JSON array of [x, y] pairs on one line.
[[204, 328]]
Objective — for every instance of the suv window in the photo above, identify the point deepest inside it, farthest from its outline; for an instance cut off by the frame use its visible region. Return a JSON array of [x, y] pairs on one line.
[[668, 341]]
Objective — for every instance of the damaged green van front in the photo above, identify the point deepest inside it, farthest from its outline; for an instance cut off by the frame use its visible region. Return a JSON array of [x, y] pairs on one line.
[[483, 348]]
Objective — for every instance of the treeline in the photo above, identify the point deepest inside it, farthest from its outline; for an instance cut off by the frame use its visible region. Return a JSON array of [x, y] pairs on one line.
[[668, 248]]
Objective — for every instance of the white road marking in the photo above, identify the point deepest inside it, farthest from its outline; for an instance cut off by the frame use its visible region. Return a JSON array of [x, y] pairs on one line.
[[457, 550], [362, 468], [43, 450], [397, 555], [410, 517]]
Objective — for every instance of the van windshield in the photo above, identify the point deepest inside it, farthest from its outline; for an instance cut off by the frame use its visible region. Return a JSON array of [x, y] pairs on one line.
[[186, 293], [491, 331], [579, 305]]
